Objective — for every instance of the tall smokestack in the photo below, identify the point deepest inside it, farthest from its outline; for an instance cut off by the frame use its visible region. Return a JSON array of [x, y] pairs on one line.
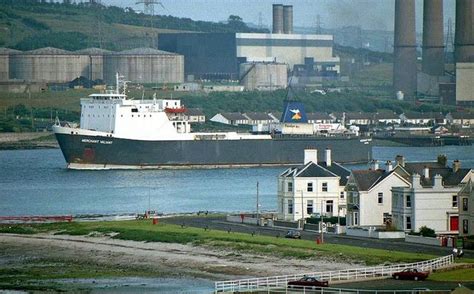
[[404, 66], [278, 18], [463, 40], [433, 42], [288, 19]]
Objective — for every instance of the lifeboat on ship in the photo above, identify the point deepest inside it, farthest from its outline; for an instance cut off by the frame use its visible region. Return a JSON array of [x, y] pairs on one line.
[[181, 109]]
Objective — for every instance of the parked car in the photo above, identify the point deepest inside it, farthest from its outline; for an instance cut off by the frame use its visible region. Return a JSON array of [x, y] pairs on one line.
[[410, 274], [293, 234], [307, 282]]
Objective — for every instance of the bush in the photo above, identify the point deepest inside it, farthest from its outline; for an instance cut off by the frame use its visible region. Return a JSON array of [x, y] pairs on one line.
[[332, 220], [427, 232]]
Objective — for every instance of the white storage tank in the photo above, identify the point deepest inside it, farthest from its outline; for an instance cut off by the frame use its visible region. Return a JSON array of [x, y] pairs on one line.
[[4, 62]]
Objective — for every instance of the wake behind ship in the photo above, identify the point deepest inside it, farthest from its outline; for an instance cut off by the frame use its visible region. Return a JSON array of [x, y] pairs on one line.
[[120, 133]]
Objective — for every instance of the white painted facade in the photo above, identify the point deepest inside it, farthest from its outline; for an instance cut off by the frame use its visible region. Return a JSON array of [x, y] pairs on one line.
[[300, 197], [466, 210], [374, 206], [436, 207]]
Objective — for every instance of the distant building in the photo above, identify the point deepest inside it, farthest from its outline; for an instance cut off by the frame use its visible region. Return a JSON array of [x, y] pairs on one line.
[[194, 115], [312, 188], [358, 118], [466, 209], [463, 119], [387, 118], [230, 118], [319, 118], [432, 198], [422, 118], [464, 84], [255, 118]]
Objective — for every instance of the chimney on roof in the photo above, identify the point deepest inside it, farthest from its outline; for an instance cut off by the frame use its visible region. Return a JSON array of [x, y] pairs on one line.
[[328, 157], [456, 165], [438, 181], [400, 160], [442, 159], [311, 155], [375, 164], [389, 165], [415, 181], [426, 172]]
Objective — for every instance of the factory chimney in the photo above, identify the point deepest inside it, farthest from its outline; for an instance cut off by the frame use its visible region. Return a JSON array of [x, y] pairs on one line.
[[404, 66], [288, 19], [433, 43], [463, 38], [278, 18]]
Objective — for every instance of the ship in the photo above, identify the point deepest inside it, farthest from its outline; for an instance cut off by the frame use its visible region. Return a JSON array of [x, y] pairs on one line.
[[116, 132]]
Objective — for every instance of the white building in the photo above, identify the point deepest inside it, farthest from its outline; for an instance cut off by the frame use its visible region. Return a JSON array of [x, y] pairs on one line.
[[466, 210], [463, 119], [290, 49], [432, 198], [312, 188], [369, 197], [230, 118]]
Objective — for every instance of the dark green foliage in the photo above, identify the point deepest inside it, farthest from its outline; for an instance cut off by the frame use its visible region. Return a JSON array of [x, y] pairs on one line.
[[427, 232], [332, 220], [34, 24], [65, 40], [19, 110]]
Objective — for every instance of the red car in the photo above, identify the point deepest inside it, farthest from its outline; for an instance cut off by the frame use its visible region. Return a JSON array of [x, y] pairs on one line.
[[307, 282], [410, 274]]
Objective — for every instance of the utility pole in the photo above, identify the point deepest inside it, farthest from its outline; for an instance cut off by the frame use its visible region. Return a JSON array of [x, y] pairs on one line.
[[258, 211]]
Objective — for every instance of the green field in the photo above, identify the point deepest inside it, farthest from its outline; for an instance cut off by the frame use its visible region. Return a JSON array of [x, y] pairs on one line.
[[459, 275], [145, 231]]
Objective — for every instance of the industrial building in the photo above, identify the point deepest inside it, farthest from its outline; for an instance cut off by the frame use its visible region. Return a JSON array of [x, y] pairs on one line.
[[52, 65], [218, 55], [263, 76]]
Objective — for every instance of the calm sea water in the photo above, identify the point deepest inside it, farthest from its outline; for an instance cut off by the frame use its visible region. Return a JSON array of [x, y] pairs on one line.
[[36, 182]]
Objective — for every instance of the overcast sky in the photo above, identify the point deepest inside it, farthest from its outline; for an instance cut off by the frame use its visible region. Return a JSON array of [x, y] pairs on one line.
[[370, 14]]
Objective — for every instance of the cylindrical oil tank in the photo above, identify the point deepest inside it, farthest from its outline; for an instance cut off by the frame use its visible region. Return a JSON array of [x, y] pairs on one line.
[[404, 64], [433, 38], [95, 68], [288, 19], [464, 38], [47, 65], [4, 62], [278, 18], [263, 76], [145, 65]]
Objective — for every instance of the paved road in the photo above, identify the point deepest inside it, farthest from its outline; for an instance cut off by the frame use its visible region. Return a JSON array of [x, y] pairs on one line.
[[219, 223]]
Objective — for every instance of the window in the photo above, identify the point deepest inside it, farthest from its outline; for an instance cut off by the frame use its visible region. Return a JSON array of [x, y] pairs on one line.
[[455, 200], [408, 201], [356, 218], [341, 195], [310, 187], [324, 187], [290, 187], [329, 206], [309, 207], [380, 198], [465, 226], [465, 206], [290, 206], [408, 223]]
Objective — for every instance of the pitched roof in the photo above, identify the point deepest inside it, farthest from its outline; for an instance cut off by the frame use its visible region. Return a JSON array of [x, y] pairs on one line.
[[320, 170], [359, 115], [194, 111], [450, 178], [234, 116], [318, 116], [386, 115], [462, 115], [366, 179], [423, 115], [258, 116]]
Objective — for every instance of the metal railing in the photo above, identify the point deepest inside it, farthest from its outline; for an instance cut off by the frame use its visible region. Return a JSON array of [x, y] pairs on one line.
[[319, 290], [342, 275]]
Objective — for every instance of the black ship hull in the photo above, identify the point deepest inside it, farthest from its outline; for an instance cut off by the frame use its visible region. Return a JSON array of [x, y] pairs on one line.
[[95, 152]]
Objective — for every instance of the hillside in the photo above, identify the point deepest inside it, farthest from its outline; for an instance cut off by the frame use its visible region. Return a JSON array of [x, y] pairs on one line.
[[28, 24]]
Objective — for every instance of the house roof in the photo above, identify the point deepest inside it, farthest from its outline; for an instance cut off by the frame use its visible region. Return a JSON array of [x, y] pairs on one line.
[[366, 179], [258, 116], [386, 115], [462, 115], [320, 170], [318, 116], [359, 115], [234, 116], [194, 111], [423, 115], [450, 177]]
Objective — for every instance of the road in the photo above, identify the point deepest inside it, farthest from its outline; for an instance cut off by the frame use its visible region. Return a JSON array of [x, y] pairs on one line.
[[219, 223]]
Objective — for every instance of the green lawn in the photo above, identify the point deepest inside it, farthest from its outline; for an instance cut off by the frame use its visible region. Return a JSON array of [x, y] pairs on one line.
[[459, 275], [145, 231]]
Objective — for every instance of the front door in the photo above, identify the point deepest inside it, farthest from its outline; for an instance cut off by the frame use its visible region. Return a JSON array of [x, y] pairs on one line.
[[454, 223]]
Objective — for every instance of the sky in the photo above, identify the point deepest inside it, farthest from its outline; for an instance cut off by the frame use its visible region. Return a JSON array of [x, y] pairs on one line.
[[369, 14]]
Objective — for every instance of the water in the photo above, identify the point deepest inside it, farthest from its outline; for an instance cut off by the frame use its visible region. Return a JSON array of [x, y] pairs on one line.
[[35, 182]]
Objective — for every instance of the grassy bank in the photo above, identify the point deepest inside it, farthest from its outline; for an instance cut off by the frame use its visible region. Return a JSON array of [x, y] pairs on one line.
[[459, 275], [145, 231]]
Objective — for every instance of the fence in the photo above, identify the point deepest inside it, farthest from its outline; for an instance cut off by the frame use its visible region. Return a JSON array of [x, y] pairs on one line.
[[36, 218], [343, 275], [349, 291]]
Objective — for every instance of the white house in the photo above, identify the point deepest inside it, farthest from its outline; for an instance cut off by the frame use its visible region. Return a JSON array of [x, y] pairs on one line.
[[466, 209], [319, 118], [256, 118], [369, 197], [432, 198], [463, 119], [312, 188], [194, 115], [230, 118], [386, 117]]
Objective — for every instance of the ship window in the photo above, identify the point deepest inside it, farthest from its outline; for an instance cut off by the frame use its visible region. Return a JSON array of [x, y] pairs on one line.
[[134, 110], [132, 115], [138, 115], [121, 115]]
